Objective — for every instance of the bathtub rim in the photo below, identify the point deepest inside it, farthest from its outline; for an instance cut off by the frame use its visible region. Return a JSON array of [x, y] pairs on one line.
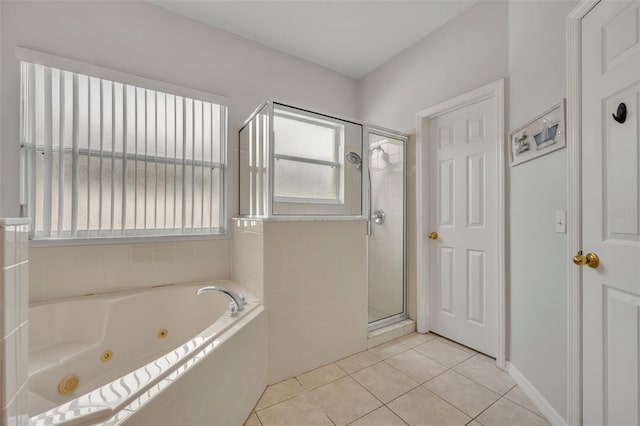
[[131, 291], [91, 412]]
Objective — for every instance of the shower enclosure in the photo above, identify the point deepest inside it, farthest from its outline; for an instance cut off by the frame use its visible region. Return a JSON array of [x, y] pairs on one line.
[[298, 163], [387, 236]]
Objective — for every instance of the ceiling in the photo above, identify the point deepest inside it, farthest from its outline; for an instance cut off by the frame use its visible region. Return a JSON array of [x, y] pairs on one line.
[[350, 37]]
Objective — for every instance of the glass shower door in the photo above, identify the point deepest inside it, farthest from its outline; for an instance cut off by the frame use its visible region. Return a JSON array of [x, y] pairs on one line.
[[387, 202]]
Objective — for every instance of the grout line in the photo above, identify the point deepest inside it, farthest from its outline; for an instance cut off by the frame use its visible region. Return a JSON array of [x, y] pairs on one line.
[[351, 375], [258, 418], [451, 404], [520, 405], [368, 391], [491, 405], [480, 384]]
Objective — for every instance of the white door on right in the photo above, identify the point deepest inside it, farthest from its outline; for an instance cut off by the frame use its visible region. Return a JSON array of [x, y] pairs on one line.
[[463, 272], [611, 223]]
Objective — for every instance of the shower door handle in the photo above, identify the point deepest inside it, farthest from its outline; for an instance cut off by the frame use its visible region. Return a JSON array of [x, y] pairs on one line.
[[378, 217]]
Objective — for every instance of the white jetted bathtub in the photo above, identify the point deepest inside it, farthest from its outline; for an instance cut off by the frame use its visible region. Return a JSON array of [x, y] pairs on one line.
[[162, 356]]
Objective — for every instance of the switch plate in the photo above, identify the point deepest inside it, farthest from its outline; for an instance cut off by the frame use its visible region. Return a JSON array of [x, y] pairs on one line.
[[561, 221]]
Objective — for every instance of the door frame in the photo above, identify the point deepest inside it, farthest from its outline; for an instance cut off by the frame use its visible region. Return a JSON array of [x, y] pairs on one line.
[[404, 138], [574, 208], [495, 89]]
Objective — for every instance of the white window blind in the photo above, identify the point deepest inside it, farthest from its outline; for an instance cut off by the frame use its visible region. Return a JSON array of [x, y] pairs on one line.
[[107, 159]]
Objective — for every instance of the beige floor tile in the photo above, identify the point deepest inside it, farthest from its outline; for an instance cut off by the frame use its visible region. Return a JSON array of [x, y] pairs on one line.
[[344, 400], [507, 413], [381, 417], [415, 339], [457, 345], [278, 393], [384, 381], [295, 411], [388, 349], [484, 371], [252, 420], [519, 397], [320, 376], [443, 353], [358, 362], [415, 365], [463, 393], [421, 407], [473, 423]]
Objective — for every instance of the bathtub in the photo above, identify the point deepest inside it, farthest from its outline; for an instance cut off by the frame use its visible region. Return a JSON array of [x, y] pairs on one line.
[[152, 357]]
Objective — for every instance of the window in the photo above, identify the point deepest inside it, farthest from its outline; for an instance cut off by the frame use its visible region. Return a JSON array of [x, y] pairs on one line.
[[310, 176], [103, 158], [307, 166]]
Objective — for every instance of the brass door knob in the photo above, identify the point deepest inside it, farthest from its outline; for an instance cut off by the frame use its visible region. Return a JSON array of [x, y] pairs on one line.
[[433, 235], [591, 260]]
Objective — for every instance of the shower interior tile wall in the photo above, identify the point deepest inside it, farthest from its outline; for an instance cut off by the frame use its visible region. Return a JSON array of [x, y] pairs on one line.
[[14, 337], [69, 271], [314, 289], [386, 245]]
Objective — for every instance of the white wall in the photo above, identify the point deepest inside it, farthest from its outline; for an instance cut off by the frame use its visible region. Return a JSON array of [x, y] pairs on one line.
[[143, 39], [467, 52], [523, 41], [538, 267]]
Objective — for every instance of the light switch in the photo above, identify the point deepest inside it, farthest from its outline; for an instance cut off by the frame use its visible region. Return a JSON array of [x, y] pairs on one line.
[[561, 221]]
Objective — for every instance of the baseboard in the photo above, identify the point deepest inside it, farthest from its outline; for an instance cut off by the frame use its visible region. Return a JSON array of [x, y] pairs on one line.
[[536, 397]]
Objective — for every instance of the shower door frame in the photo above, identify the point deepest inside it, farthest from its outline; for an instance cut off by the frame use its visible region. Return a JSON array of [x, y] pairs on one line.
[[404, 138]]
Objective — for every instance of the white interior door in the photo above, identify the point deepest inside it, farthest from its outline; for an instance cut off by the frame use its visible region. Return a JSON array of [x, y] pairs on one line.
[[611, 224], [462, 264]]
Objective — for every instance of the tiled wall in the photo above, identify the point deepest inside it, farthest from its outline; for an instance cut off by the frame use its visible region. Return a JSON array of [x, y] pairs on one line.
[[67, 271], [248, 259], [14, 308], [315, 292]]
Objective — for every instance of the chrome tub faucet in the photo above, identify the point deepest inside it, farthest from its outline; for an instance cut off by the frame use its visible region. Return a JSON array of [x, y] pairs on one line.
[[237, 301]]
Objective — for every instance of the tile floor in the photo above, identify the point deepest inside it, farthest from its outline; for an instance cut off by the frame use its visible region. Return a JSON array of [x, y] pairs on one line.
[[418, 379]]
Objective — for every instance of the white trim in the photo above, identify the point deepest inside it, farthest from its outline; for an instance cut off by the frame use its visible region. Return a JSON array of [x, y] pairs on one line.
[[574, 208], [496, 90], [536, 397], [140, 239], [66, 64], [15, 221]]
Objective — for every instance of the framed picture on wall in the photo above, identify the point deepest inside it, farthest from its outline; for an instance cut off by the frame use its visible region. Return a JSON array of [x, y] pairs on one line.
[[540, 136]]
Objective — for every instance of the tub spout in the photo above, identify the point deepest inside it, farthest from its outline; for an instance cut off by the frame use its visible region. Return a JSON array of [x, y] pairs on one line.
[[239, 300]]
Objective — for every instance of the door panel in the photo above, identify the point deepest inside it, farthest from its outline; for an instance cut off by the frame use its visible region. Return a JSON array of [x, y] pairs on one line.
[[475, 189], [475, 286], [620, 174], [463, 264], [446, 281], [445, 193], [611, 224]]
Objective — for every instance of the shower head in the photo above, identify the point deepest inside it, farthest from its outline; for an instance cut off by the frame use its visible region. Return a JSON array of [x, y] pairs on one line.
[[354, 158], [383, 154]]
